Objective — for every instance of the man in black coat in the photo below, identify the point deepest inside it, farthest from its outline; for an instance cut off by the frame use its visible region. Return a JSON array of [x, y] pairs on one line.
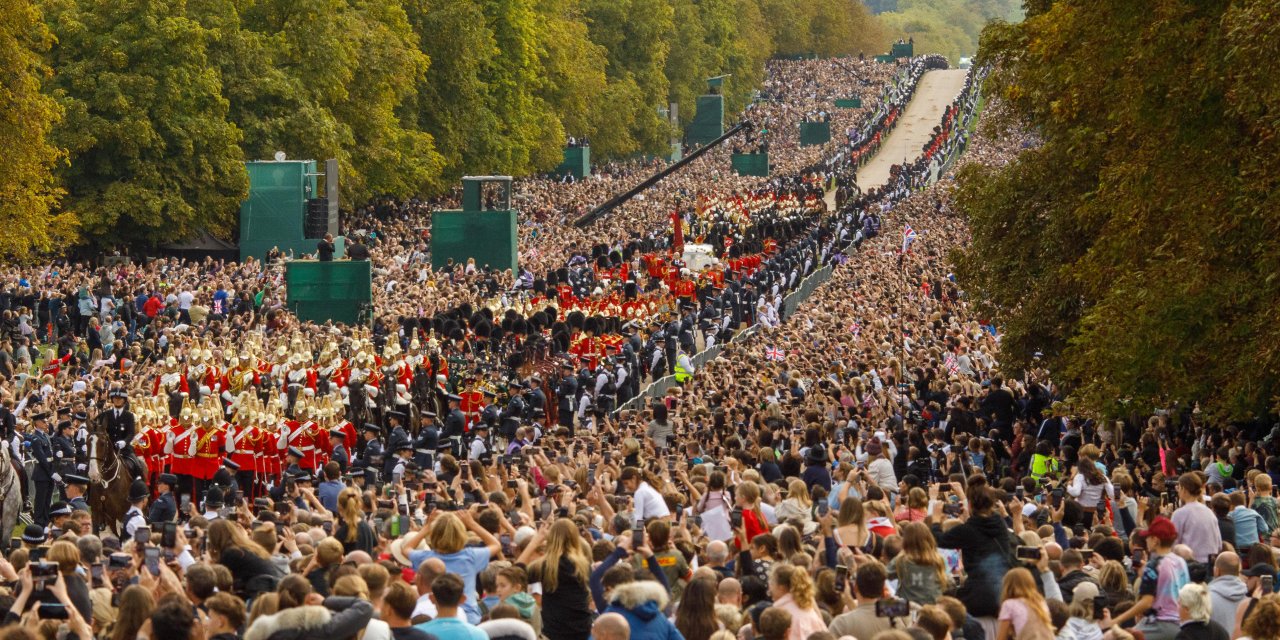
[[357, 250], [325, 248]]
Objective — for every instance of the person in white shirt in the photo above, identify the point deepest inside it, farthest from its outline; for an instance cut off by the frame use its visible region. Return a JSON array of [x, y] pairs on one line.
[[648, 502]]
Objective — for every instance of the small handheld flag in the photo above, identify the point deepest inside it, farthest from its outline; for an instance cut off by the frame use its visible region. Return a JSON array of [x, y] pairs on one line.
[[908, 236]]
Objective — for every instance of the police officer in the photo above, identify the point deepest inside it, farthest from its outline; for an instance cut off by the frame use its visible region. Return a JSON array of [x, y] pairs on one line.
[[64, 450], [509, 419], [339, 454], [566, 395], [490, 414], [213, 504], [479, 442], [455, 426], [133, 518], [45, 474], [536, 398], [81, 428], [59, 513], [398, 438], [165, 508], [371, 457], [120, 422], [428, 441], [400, 461], [77, 486]]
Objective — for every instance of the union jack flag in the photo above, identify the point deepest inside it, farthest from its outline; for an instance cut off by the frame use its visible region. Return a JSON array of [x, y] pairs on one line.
[[773, 353], [855, 329], [908, 236]]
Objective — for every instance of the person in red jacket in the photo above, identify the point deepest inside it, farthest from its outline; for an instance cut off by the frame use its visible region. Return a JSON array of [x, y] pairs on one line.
[[153, 306]]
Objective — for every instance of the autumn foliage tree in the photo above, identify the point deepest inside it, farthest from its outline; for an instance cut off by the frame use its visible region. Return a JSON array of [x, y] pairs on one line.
[[154, 105], [28, 195], [1137, 246]]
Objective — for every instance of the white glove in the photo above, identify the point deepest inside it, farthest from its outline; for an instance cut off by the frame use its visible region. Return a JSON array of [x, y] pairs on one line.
[[82, 467], [119, 444], [57, 454], [57, 478]]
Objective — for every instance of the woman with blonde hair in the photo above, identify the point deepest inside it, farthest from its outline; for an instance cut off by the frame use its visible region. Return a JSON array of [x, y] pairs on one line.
[[1114, 582], [67, 556], [564, 571], [229, 545], [793, 592], [915, 508], [798, 505], [1024, 615], [353, 531], [630, 452], [447, 534], [921, 571]]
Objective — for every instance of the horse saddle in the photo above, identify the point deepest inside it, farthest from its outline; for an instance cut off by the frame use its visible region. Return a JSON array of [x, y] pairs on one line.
[[135, 467]]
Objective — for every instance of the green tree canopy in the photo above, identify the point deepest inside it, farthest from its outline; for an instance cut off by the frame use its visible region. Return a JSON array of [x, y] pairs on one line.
[[1137, 246], [152, 154]]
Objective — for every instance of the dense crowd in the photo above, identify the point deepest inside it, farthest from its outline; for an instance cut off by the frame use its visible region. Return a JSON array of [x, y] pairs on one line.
[[861, 467]]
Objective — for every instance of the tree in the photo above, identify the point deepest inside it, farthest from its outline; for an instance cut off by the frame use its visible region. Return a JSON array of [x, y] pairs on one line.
[[152, 155], [1137, 246], [352, 66], [28, 195]]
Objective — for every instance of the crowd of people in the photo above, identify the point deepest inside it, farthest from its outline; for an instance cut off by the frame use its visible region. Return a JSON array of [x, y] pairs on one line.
[[861, 467]]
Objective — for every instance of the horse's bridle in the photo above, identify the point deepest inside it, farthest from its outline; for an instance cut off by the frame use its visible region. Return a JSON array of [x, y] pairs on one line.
[[95, 474]]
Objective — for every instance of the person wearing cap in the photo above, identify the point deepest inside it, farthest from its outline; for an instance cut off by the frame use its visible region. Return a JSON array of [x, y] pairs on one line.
[[64, 449], [455, 426], [509, 418], [33, 535], [397, 437], [120, 422], [479, 441], [337, 438], [46, 475], [1164, 574], [213, 504], [164, 508], [59, 513], [371, 455], [428, 440], [80, 436], [133, 518], [535, 399], [490, 414], [566, 393], [77, 485], [399, 461]]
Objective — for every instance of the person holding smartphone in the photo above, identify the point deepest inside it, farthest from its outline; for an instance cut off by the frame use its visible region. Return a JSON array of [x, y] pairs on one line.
[[1164, 574], [77, 625]]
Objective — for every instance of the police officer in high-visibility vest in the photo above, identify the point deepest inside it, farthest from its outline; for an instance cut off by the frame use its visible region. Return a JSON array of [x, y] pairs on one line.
[[684, 368]]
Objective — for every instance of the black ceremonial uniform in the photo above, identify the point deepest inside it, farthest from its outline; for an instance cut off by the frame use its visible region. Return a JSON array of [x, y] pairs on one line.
[[120, 428], [42, 454]]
